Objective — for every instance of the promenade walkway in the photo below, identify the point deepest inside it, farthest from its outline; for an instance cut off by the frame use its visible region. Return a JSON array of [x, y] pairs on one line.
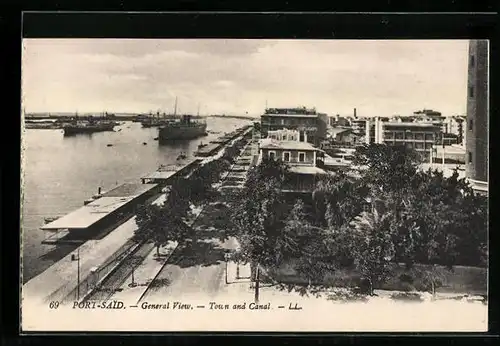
[[136, 285], [61, 279]]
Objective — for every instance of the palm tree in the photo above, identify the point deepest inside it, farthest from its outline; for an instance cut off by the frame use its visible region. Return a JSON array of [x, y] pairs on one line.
[[373, 247]]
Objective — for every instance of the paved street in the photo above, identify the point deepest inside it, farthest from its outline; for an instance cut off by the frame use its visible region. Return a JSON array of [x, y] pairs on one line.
[[192, 273]]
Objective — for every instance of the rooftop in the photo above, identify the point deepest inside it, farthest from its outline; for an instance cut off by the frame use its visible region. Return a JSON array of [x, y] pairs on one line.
[[447, 169], [337, 130], [292, 110], [307, 170], [89, 214], [159, 175], [405, 124], [291, 115], [127, 190], [269, 143]]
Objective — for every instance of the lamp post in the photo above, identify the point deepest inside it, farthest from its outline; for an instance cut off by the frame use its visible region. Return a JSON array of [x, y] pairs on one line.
[[77, 259], [226, 257], [134, 261], [442, 142]]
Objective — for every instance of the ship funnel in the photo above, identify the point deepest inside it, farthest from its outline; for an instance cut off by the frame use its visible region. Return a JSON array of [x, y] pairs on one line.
[[99, 190]]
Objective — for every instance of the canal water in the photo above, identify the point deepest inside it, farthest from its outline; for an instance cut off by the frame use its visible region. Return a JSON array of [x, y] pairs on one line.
[[60, 172]]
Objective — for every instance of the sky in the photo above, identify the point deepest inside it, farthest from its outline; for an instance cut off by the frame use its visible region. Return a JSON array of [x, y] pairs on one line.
[[238, 76]]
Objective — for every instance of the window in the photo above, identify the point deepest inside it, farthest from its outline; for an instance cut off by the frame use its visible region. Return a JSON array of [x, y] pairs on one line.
[[286, 156], [301, 136], [471, 91], [271, 155], [419, 145], [470, 157], [472, 61], [471, 124], [302, 157], [429, 137]]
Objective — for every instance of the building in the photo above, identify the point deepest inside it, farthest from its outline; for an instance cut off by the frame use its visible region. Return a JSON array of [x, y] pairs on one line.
[[308, 122], [421, 136], [374, 129], [456, 125], [305, 161], [358, 126], [343, 137], [477, 115], [339, 121]]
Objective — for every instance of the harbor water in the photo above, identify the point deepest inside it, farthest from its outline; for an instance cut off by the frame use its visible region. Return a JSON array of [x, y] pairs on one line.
[[60, 172]]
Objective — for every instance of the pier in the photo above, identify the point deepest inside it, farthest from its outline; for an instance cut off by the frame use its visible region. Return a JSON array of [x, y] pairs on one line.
[[217, 144], [102, 230], [108, 208], [166, 174]]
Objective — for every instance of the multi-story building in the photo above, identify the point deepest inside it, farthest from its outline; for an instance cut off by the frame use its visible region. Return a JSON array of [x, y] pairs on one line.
[[358, 125], [430, 116], [305, 161], [374, 129], [422, 137], [308, 122], [477, 115], [457, 125]]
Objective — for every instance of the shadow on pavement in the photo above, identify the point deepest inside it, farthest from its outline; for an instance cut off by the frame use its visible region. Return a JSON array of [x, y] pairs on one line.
[[164, 282], [200, 253]]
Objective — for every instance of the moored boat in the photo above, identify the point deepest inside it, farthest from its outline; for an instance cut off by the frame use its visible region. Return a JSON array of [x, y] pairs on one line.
[[87, 126], [186, 128]]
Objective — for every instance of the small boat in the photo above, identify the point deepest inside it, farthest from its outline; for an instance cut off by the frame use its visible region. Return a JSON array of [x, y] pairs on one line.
[[181, 156], [110, 145], [201, 145], [156, 138], [144, 143], [50, 219]]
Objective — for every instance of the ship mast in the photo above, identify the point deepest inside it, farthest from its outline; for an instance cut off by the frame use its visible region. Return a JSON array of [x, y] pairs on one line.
[[198, 113], [175, 107]]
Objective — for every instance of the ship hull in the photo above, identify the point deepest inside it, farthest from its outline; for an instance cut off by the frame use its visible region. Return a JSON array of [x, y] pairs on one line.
[[74, 130], [169, 133]]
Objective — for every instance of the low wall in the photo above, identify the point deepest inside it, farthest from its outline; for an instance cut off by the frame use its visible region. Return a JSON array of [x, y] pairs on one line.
[[460, 279]]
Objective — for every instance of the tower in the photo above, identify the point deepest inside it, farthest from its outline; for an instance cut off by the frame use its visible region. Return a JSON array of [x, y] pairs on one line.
[[477, 113]]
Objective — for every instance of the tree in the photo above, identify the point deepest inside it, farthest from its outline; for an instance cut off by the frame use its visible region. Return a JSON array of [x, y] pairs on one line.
[[432, 278], [259, 217], [338, 199], [308, 246], [164, 222], [374, 249], [387, 167], [451, 219]]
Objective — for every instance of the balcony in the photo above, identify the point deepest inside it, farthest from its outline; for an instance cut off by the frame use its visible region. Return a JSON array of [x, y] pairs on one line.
[[296, 162]]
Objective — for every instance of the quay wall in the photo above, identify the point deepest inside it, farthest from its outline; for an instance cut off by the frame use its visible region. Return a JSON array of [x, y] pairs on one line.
[[97, 257]]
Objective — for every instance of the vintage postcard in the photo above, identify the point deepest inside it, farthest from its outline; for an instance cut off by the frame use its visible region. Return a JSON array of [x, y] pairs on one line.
[[254, 185]]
